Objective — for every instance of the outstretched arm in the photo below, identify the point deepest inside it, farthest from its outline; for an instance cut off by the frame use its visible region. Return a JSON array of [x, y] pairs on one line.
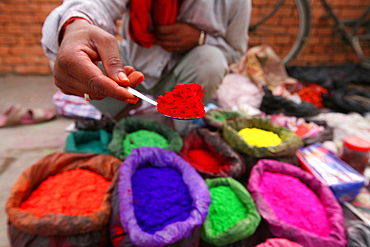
[[76, 71], [86, 42]]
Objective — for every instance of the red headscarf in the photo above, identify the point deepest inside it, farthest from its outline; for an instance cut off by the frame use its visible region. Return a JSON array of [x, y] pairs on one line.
[[143, 12]]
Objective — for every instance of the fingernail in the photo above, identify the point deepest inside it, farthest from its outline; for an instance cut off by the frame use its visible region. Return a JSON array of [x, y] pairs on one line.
[[131, 101], [140, 80], [122, 76]]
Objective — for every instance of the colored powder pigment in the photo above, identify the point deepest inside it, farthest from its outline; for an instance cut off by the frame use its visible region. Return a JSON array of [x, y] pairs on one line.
[[184, 102], [259, 137], [294, 203], [160, 198], [143, 138], [313, 93], [203, 160], [225, 210], [220, 118], [73, 192]]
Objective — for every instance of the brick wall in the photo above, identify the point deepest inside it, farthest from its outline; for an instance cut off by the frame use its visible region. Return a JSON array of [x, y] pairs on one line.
[[20, 34], [21, 22], [324, 46]]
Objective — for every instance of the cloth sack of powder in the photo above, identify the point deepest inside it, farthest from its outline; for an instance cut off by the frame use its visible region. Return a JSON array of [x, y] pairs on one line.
[[250, 162], [278, 242], [26, 229], [184, 233], [117, 234], [132, 124], [231, 162], [280, 229], [215, 118], [241, 229], [289, 141], [88, 141]]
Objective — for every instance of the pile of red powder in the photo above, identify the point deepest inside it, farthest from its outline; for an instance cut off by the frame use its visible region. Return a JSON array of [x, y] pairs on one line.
[[203, 160], [73, 192], [185, 101], [313, 94]]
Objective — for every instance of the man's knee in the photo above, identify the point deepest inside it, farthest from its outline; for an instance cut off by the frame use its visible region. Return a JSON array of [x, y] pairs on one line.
[[210, 61], [205, 65], [210, 69]]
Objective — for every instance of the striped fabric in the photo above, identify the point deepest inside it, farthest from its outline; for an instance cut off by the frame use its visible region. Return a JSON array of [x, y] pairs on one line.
[[74, 106]]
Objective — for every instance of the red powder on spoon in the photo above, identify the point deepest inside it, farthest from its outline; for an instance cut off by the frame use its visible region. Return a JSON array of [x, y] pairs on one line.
[[73, 192], [184, 102]]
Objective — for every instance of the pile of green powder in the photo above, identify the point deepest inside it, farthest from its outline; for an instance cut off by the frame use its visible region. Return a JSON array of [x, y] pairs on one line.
[[225, 210], [220, 118], [142, 138]]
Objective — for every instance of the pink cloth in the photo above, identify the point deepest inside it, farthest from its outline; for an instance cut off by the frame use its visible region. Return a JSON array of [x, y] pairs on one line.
[[281, 229], [278, 242]]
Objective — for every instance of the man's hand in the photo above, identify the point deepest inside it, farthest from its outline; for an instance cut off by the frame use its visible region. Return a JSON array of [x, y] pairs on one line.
[[76, 71], [179, 37]]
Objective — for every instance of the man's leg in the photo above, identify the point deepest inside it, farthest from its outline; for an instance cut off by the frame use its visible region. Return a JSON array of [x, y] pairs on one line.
[[205, 65]]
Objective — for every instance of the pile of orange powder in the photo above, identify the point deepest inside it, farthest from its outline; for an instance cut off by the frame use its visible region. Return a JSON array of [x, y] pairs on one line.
[[73, 192]]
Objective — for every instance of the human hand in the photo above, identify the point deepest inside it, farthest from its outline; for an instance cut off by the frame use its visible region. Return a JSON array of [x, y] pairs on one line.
[[179, 37], [76, 71]]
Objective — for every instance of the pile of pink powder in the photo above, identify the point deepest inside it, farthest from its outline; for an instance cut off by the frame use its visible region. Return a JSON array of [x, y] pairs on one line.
[[294, 203]]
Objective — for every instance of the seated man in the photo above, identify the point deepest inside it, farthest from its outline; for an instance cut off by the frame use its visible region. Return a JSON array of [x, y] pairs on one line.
[[170, 42]]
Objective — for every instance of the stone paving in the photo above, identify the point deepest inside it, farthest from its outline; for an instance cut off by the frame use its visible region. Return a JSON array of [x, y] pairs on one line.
[[23, 145]]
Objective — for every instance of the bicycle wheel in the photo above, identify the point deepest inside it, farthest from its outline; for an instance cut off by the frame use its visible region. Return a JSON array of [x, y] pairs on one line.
[[283, 24]]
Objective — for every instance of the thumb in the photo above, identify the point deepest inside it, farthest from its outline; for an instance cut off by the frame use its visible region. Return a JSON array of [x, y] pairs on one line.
[[112, 63]]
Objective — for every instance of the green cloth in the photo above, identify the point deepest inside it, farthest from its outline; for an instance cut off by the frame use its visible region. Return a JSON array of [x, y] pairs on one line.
[[289, 141], [132, 124], [88, 141], [238, 227], [216, 117]]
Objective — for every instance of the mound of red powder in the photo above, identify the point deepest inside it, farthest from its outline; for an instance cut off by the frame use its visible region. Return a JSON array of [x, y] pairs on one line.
[[203, 160], [313, 94], [185, 101], [73, 192]]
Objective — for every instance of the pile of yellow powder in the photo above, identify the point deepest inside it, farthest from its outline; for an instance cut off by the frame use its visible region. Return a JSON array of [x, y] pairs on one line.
[[259, 137]]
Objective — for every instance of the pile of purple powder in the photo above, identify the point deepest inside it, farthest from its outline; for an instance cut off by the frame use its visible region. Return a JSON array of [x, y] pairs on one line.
[[160, 198]]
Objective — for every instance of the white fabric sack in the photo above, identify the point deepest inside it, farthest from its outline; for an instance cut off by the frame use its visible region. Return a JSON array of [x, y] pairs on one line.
[[237, 90]]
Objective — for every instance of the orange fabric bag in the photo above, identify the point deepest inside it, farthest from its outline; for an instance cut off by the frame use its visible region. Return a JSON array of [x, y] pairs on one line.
[[26, 229]]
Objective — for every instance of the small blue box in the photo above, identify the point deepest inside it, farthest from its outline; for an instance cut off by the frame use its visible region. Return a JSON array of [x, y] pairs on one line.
[[344, 181]]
